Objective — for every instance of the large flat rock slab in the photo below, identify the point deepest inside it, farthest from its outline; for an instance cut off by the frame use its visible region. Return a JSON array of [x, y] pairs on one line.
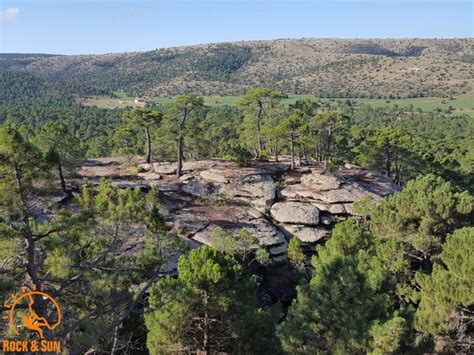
[[295, 213], [197, 221], [214, 175], [321, 182], [343, 187]]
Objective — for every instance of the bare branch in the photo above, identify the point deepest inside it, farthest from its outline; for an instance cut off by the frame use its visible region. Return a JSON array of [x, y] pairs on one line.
[[37, 237]]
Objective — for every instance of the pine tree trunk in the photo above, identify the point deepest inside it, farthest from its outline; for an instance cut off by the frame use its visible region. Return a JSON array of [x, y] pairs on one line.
[[261, 145], [329, 145], [300, 155], [259, 137], [206, 340], [255, 151], [276, 150], [115, 342], [292, 146], [181, 143], [61, 177], [388, 162], [148, 145], [30, 243], [180, 155]]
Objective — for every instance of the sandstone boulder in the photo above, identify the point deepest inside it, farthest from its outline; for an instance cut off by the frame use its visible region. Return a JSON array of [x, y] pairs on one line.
[[165, 169], [186, 177], [288, 193], [214, 175], [149, 176], [336, 208], [198, 188], [145, 167], [295, 213], [244, 193], [321, 182], [349, 208], [345, 194], [260, 188], [307, 234]]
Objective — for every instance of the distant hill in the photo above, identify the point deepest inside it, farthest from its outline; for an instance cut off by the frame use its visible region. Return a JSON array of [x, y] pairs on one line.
[[321, 67]]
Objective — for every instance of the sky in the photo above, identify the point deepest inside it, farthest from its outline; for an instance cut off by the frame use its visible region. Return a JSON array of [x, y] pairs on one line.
[[109, 26]]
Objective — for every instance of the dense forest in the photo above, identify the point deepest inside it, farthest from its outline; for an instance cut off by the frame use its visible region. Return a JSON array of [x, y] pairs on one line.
[[394, 278]]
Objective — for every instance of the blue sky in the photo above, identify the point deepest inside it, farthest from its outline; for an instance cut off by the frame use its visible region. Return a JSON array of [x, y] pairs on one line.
[[106, 26]]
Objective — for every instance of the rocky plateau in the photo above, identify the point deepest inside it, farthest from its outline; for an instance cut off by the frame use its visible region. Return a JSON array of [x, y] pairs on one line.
[[268, 199]]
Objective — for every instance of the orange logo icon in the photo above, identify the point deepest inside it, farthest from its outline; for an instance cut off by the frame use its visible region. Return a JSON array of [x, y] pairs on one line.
[[25, 305]]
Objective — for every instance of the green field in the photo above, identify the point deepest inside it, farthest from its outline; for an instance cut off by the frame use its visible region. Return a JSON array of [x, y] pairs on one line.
[[460, 104], [231, 100], [463, 104]]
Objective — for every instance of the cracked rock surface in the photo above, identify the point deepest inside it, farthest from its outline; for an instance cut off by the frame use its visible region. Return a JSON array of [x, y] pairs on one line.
[[266, 198]]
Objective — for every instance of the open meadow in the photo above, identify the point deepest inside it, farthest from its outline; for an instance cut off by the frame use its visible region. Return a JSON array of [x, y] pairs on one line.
[[459, 105]]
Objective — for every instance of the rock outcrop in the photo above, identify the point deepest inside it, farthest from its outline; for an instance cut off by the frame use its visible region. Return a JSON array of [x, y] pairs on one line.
[[266, 198]]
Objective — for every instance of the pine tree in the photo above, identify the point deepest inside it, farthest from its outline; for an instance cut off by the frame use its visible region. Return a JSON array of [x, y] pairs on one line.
[[24, 174], [296, 256], [422, 215], [346, 307], [211, 307], [146, 119], [291, 125], [178, 116], [242, 246], [79, 255], [446, 309], [62, 149], [256, 104], [386, 150], [330, 133]]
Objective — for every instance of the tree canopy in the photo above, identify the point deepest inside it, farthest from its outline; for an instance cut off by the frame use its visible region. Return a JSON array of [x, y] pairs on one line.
[[211, 307]]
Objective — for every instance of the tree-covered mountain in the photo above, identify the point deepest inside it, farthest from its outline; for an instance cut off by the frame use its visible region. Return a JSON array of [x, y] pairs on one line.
[[323, 67]]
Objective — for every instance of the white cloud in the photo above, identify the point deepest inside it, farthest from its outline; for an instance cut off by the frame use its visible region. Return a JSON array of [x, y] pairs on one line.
[[9, 14]]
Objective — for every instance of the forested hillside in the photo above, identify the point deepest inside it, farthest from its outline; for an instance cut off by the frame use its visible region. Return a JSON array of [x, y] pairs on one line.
[[321, 67]]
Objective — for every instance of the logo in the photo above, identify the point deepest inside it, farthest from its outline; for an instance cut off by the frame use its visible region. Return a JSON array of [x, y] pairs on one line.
[[22, 315]]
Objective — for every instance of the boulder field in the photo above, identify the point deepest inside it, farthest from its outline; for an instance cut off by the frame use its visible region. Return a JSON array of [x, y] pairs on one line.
[[268, 199]]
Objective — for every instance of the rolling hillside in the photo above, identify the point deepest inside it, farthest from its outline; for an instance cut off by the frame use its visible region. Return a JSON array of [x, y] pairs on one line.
[[320, 67]]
